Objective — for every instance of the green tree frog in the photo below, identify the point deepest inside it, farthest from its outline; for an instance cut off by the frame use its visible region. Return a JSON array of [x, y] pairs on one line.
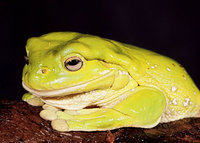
[[88, 83]]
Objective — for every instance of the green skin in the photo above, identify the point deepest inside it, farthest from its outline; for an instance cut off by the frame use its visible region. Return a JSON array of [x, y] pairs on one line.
[[117, 85]]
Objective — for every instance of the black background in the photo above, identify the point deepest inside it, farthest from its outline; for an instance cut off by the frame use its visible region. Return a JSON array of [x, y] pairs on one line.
[[169, 27]]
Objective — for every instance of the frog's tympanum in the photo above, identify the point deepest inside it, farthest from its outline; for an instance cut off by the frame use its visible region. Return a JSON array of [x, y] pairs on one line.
[[88, 83]]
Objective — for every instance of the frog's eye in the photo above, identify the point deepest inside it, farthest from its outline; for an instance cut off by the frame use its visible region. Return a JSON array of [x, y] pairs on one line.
[[73, 63], [26, 60]]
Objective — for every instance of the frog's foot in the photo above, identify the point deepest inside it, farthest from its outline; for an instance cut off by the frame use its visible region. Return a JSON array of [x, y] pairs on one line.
[[32, 100], [49, 112], [60, 125], [54, 114], [88, 120], [59, 119]]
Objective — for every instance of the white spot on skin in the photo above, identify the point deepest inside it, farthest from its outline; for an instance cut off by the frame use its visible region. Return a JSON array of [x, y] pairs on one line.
[[130, 77], [133, 89], [173, 88], [113, 68], [133, 111], [194, 93], [174, 101], [104, 72], [168, 69], [186, 102], [153, 67], [122, 72]]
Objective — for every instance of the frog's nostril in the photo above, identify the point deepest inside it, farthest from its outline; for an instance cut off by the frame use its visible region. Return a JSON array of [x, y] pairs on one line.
[[44, 71]]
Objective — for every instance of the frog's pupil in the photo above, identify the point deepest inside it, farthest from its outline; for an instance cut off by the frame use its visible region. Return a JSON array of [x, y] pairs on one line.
[[73, 62]]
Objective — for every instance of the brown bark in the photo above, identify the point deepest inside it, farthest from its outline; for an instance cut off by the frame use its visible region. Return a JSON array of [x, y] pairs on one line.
[[20, 122]]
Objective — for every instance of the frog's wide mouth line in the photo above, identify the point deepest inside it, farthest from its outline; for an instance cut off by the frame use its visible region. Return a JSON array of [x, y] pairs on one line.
[[80, 88]]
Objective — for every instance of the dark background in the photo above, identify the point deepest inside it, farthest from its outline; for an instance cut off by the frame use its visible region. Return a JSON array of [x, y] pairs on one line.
[[169, 27]]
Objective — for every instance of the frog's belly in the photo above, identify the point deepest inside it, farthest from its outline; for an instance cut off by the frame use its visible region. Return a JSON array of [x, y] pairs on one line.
[[101, 98], [74, 102]]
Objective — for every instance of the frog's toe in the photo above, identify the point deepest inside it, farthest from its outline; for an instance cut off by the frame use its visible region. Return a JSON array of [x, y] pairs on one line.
[[60, 125], [35, 101], [48, 114], [27, 96], [49, 107]]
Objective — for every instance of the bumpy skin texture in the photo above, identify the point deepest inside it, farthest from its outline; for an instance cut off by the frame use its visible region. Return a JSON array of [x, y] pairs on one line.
[[118, 85]]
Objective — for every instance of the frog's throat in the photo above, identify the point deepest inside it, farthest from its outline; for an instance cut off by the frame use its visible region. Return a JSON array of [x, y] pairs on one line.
[[103, 82]]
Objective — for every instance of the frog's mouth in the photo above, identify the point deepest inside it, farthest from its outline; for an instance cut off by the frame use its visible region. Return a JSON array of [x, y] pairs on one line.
[[101, 82]]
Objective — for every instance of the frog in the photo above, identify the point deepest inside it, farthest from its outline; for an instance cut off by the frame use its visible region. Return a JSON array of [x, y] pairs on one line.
[[88, 83]]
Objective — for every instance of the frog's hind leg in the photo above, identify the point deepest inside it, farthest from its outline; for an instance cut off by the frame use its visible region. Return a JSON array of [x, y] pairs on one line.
[[145, 106], [142, 108]]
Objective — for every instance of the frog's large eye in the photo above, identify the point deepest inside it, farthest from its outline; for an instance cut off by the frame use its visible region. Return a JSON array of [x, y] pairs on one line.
[[73, 63]]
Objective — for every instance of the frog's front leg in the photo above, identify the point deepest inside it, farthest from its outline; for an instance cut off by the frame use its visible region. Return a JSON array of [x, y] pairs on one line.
[[143, 108], [32, 99]]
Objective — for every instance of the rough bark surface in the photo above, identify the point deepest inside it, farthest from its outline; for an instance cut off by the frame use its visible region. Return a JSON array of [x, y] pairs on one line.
[[20, 122]]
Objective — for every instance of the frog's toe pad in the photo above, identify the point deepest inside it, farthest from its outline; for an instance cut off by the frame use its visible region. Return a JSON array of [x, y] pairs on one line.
[[60, 125], [35, 101], [48, 114]]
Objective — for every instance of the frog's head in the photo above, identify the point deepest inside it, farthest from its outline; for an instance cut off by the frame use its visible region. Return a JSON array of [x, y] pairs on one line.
[[67, 63]]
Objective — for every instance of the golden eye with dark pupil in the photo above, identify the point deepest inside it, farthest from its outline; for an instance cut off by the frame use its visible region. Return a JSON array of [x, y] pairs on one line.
[[73, 63]]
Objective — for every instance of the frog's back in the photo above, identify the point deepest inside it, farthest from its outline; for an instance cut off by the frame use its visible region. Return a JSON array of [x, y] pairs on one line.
[[167, 75]]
